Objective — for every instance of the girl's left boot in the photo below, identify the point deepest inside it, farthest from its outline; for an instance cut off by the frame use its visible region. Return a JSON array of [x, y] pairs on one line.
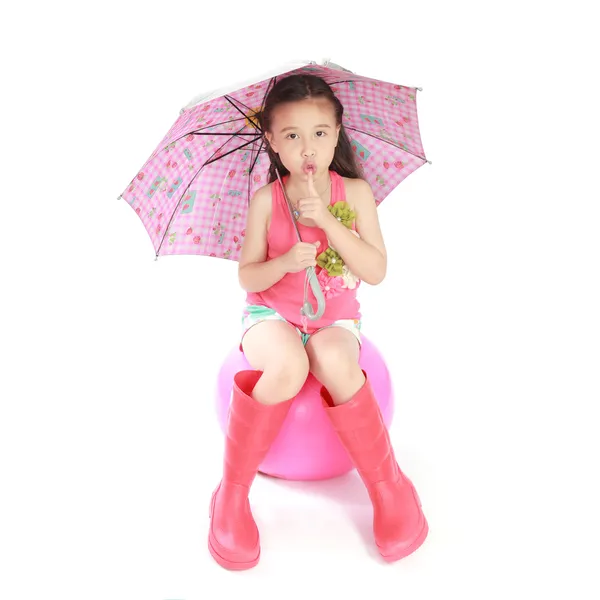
[[399, 524]]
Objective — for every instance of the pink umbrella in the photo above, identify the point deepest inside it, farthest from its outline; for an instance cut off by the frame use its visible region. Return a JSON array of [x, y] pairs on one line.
[[192, 194]]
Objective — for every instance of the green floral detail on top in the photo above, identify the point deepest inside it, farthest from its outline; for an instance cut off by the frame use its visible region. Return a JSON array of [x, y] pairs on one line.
[[343, 213], [331, 261]]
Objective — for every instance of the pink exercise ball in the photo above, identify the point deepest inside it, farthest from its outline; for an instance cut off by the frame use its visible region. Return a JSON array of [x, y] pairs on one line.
[[307, 447]]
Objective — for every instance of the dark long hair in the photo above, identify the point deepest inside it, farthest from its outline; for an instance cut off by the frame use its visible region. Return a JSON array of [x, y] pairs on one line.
[[302, 87]]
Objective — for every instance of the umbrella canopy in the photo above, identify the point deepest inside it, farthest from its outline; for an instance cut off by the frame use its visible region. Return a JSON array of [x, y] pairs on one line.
[[192, 194]]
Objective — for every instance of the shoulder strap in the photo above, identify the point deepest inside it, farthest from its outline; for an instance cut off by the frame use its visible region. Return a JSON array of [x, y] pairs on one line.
[[338, 191]]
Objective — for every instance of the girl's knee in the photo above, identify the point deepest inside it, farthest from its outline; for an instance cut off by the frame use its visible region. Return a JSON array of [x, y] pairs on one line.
[[288, 373]]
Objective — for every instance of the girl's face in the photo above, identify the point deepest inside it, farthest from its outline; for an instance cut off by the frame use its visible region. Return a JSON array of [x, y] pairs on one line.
[[305, 135]]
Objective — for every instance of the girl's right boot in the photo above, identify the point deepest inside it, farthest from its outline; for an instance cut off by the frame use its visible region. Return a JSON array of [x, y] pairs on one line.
[[233, 538]]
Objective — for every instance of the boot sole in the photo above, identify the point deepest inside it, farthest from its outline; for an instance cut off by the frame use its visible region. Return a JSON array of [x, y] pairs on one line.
[[391, 556], [226, 563]]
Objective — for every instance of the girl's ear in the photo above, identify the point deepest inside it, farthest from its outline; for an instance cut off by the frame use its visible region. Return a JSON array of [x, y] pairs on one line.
[[270, 141]]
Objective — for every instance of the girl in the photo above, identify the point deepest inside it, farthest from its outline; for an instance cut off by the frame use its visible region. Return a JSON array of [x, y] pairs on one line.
[[338, 222]]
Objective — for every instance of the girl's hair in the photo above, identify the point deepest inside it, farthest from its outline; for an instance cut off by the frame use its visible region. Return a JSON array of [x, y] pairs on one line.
[[301, 87]]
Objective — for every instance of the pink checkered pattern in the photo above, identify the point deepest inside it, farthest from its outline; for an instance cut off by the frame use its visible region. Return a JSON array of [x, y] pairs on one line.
[[192, 204]]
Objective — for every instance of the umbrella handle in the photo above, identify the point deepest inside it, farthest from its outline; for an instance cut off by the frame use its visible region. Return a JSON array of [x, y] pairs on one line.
[[307, 308]]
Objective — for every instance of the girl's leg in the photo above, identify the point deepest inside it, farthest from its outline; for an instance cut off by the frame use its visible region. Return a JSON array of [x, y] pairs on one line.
[[275, 348], [260, 401], [333, 354], [399, 525]]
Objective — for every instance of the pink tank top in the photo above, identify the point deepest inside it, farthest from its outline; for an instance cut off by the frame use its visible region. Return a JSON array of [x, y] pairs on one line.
[[287, 295]]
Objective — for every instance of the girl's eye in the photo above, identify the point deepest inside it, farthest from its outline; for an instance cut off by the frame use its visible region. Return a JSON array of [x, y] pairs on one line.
[[320, 131]]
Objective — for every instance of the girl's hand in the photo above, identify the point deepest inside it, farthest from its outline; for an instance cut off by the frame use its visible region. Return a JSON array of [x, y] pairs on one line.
[[313, 207], [300, 256]]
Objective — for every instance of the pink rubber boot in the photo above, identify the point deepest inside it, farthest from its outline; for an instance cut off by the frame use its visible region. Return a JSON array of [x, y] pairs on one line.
[[399, 524], [233, 538]]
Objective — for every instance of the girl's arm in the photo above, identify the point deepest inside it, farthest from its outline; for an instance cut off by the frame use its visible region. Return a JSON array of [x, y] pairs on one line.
[[255, 273], [365, 257]]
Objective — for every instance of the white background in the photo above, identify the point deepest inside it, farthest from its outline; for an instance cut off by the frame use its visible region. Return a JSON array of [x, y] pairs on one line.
[[110, 447]]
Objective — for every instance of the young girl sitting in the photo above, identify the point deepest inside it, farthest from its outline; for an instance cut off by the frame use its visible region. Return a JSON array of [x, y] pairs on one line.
[[338, 222]]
